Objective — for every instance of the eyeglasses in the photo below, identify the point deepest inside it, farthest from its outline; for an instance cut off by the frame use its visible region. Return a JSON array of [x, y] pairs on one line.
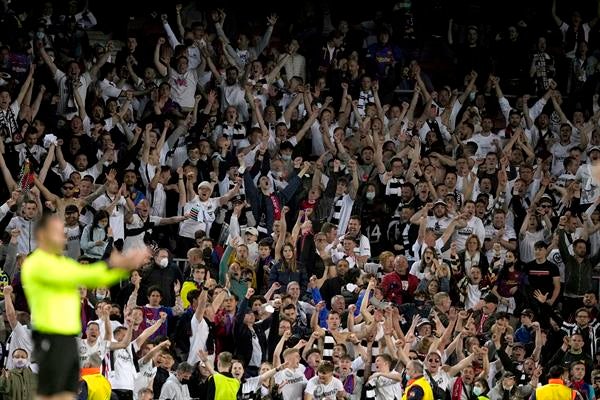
[[432, 360]]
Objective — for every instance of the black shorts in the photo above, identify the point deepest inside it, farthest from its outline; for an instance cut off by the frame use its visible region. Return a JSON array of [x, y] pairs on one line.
[[58, 361]]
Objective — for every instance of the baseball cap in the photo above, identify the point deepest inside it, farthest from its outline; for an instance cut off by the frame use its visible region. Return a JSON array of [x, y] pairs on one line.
[[528, 311], [424, 321], [205, 184], [518, 344], [252, 230], [593, 148], [440, 202]]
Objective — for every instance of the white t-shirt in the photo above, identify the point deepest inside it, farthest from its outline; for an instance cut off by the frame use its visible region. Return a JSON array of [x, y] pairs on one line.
[[320, 391], [183, 87], [122, 376], [474, 226], [295, 382], [117, 217], [206, 216], [198, 339], [144, 377], [73, 248], [20, 338], [137, 241], [485, 144], [108, 89], [385, 388], [101, 348]]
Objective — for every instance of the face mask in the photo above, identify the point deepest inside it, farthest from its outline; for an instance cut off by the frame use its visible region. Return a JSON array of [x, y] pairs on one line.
[[370, 195], [163, 262], [419, 303], [286, 157], [407, 376], [277, 174], [472, 96], [40, 35], [188, 42], [101, 225], [100, 296], [19, 362], [477, 391], [185, 381], [507, 388]]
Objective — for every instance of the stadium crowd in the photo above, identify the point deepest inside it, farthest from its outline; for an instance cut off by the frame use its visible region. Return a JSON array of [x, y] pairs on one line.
[[397, 206]]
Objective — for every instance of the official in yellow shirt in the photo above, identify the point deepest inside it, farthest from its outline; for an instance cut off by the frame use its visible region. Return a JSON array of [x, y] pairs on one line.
[[51, 283]]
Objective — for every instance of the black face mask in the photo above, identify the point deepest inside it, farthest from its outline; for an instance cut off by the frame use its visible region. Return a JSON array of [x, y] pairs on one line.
[[419, 303], [188, 42], [184, 381], [114, 317]]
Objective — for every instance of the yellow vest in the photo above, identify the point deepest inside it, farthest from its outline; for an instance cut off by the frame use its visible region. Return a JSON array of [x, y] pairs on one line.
[[226, 388], [98, 387], [554, 390], [422, 382]]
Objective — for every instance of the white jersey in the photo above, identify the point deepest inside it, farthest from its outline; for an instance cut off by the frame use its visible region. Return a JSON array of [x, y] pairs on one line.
[[295, 382], [206, 212], [122, 376], [20, 338], [321, 391], [101, 348], [117, 217]]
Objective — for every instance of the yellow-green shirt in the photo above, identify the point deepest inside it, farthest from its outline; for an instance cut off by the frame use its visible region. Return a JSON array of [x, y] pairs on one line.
[[51, 284]]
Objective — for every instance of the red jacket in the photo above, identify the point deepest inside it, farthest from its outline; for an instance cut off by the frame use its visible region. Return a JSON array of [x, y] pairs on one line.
[[399, 289]]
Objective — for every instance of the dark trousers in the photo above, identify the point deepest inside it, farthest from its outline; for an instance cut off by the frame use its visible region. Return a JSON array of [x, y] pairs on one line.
[[123, 394]]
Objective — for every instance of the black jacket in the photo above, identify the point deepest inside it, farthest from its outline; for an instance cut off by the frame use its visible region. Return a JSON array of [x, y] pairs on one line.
[[243, 335]]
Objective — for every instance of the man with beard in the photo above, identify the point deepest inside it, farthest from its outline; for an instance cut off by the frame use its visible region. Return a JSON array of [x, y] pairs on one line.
[[439, 222], [590, 303]]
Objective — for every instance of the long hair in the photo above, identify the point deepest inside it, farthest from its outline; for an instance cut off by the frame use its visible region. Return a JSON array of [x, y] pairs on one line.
[[292, 265], [97, 217]]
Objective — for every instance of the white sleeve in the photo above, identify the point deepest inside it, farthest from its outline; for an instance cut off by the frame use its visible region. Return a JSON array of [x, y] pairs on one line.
[[170, 35], [504, 107]]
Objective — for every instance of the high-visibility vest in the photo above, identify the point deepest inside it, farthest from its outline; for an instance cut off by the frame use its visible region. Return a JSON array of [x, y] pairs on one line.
[[555, 390], [226, 388], [97, 385], [421, 382]]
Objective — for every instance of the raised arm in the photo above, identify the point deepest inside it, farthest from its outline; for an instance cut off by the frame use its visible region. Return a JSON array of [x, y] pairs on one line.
[[8, 179], [151, 330], [26, 84], [160, 67], [102, 60], [47, 60], [282, 233], [554, 15], [9, 307]]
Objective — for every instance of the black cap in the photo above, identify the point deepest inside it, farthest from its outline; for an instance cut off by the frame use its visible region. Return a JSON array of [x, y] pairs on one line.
[[490, 298]]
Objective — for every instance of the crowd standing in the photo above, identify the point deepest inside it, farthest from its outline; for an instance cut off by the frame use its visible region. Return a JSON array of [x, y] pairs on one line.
[[399, 206]]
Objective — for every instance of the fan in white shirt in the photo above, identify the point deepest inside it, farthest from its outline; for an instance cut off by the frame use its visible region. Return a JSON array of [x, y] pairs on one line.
[[324, 386]]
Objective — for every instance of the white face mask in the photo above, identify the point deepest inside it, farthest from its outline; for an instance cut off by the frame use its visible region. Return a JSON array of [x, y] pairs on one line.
[[370, 195], [163, 262], [286, 157], [100, 296], [20, 362], [477, 391]]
